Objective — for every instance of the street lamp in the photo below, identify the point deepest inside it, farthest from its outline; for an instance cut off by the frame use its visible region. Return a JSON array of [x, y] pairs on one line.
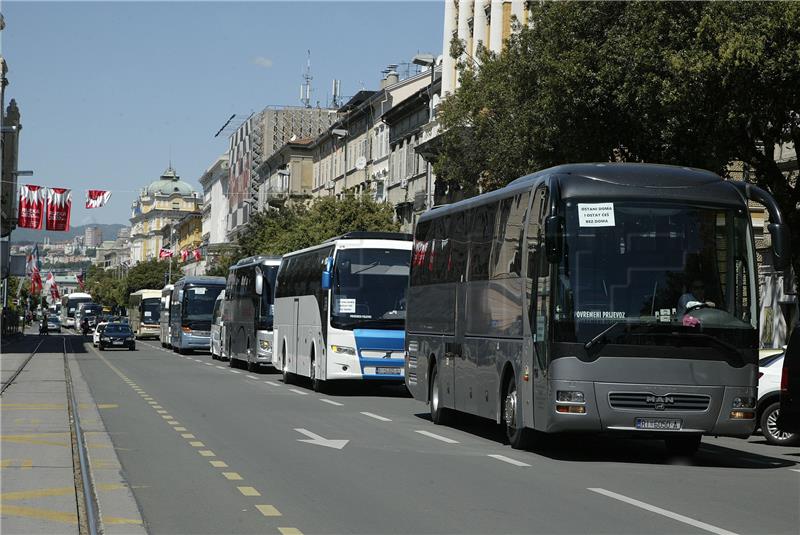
[[341, 133], [427, 60], [22, 173]]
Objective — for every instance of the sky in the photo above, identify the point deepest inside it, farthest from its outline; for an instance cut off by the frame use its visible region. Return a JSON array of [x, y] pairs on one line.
[[110, 92]]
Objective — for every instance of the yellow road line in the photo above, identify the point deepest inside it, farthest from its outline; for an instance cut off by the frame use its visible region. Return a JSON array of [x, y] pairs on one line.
[[41, 514], [290, 531], [173, 422], [37, 438], [161, 411], [54, 491], [232, 476], [51, 406], [219, 464], [23, 464], [268, 510], [206, 453], [188, 435], [197, 444], [119, 521], [249, 491], [179, 428]]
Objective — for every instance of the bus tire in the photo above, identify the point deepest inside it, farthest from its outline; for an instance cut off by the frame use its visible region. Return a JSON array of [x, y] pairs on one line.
[[287, 376], [518, 437], [317, 384], [683, 445], [439, 414]]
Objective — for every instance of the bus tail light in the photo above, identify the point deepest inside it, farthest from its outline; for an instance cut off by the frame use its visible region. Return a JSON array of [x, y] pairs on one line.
[[785, 380]]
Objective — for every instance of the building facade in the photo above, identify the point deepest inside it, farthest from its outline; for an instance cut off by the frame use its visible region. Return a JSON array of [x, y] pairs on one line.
[[215, 207], [287, 175], [164, 200], [92, 236]]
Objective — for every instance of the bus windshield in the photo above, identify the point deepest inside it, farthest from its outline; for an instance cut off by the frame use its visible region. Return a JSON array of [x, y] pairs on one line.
[[653, 270], [369, 288], [151, 310], [198, 303], [268, 296]]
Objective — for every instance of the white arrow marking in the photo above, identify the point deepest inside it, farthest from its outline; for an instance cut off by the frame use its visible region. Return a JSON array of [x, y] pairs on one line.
[[314, 438]]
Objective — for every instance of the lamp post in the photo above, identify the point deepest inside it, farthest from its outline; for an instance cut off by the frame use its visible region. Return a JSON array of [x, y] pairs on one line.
[[341, 133], [427, 60]]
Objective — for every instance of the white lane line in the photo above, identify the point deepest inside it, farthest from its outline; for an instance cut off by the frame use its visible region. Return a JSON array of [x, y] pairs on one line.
[[330, 402], [437, 437], [234, 371], [296, 391], [508, 460], [662, 512], [794, 469], [272, 383], [220, 367], [252, 377], [377, 417], [208, 364]]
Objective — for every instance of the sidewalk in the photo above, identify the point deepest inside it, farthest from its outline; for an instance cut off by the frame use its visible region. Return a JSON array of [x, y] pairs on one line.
[[38, 493]]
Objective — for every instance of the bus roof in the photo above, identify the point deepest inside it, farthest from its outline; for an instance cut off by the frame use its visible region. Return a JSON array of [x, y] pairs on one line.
[[147, 292], [360, 235], [77, 295], [259, 259], [623, 181], [210, 281]]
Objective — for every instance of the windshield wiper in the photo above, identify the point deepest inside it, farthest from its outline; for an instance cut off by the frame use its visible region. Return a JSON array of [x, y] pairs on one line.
[[369, 266], [601, 337]]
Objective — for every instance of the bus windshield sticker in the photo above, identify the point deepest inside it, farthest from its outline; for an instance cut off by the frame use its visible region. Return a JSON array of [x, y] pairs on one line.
[[596, 214], [146, 313], [199, 291], [600, 314], [345, 306]]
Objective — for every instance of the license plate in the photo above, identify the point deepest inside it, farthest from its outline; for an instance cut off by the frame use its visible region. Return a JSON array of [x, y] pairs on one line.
[[117, 342], [389, 371], [660, 424]]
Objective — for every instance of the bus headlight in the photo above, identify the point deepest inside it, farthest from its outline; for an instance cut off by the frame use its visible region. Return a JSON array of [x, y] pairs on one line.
[[265, 345], [570, 396], [744, 402], [343, 350]]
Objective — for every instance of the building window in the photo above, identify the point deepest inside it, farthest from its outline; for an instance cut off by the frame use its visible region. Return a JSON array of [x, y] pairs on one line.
[[176, 206]]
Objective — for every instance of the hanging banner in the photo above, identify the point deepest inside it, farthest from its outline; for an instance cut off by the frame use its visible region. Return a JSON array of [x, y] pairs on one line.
[[164, 253], [197, 254], [31, 206], [52, 286], [80, 278], [36, 282], [184, 255], [59, 206], [95, 198]]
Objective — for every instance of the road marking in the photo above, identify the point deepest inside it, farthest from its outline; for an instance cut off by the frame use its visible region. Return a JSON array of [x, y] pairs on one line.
[[249, 491], [173, 422], [662, 512], [508, 460], [32, 421], [197, 444], [220, 367], [268, 510], [252, 377], [234, 371], [24, 464], [162, 411], [296, 391], [437, 437], [272, 383], [219, 464], [232, 476], [331, 402], [794, 469], [206, 453], [188, 435], [314, 438], [45, 439], [179, 428], [377, 417], [290, 531], [208, 364], [165, 416]]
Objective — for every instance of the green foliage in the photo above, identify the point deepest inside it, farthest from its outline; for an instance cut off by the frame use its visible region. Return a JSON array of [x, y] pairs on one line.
[[294, 227], [699, 84], [105, 287], [220, 266], [149, 275]]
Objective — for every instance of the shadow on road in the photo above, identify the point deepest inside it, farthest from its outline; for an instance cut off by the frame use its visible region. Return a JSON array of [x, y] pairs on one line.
[[598, 448]]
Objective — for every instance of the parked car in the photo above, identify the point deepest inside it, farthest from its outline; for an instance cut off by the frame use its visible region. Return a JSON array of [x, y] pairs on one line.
[[789, 415], [117, 335], [768, 408], [98, 332], [53, 323]]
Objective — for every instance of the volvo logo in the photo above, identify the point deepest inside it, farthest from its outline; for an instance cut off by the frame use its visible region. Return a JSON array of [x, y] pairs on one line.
[[660, 402]]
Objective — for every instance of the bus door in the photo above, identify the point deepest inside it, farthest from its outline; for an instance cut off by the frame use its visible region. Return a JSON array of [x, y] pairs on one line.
[[538, 282]]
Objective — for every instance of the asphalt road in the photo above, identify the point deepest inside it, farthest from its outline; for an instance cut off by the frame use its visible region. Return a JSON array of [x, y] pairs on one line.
[[208, 449]]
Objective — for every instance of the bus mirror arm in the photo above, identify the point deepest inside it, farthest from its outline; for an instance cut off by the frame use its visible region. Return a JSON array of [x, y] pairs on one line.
[[552, 238], [778, 229]]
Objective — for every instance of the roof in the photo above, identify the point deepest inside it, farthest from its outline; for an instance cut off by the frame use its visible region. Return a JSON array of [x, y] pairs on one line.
[[258, 259], [168, 183], [360, 235], [202, 280]]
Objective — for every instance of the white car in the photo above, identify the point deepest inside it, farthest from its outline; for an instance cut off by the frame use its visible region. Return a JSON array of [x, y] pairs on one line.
[[769, 392], [98, 331]]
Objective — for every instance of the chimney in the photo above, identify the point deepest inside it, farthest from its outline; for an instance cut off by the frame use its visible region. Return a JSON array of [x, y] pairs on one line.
[[390, 76]]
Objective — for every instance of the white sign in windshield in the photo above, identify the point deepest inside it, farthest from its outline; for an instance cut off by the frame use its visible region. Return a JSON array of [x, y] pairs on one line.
[[596, 214]]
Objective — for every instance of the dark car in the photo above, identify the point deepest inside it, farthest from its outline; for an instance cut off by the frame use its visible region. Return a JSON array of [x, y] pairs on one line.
[[117, 335], [789, 415]]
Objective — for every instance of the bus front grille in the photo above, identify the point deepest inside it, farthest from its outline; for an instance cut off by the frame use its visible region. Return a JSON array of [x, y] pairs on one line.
[[649, 401]]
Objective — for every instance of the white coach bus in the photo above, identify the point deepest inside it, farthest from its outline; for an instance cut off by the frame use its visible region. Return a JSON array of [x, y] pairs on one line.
[[340, 309], [69, 305], [163, 319], [144, 311]]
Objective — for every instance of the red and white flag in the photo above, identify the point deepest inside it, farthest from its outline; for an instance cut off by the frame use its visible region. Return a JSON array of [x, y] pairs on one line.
[[36, 282], [164, 253], [59, 206], [50, 283], [31, 206], [95, 198], [197, 254], [184, 255]]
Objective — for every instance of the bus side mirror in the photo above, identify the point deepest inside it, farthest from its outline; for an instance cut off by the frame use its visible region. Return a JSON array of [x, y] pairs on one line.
[[259, 283], [781, 245], [552, 238], [326, 273]]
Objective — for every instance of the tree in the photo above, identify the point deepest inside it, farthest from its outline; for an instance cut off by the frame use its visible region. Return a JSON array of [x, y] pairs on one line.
[[684, 83], [289, 228], [149, 275]]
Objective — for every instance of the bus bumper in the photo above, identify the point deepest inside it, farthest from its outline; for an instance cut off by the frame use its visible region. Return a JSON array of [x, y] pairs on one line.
[[196, 341], [648, 409], [264, 347]]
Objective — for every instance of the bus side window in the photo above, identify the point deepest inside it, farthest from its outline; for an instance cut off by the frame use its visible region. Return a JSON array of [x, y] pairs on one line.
[[480, 243], [459, 246], [538, 279], [506, 253]]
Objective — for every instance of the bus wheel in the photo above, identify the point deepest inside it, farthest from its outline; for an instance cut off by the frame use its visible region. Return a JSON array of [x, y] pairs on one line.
[[439, 414], [317, 384], [683, 445], [518, 437]]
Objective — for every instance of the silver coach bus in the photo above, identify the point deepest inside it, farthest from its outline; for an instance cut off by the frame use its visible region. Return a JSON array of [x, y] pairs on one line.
[[592, 298], [163, 318], [190, 311], [248, 311]]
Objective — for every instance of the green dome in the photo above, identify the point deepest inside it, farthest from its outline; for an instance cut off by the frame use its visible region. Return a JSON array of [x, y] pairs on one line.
[[169, 183]]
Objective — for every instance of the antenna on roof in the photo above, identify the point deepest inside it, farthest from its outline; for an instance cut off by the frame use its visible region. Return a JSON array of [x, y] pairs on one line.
[[305, 89]]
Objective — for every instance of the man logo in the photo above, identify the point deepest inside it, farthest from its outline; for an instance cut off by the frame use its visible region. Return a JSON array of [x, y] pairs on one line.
[[660, 402]]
